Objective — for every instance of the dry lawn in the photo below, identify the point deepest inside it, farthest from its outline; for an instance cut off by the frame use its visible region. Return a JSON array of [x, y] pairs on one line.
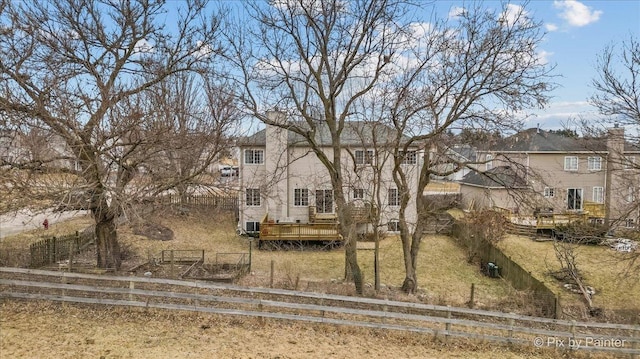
[[46, 330], [54, 330], [601, 267], [443, 274]]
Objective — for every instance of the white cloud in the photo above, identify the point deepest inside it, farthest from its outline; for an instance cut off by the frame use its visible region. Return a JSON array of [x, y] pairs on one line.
[[576, 13], [143, 46], [513, 14], [456, 11], [543, 56], [551, 27], [203, 51]]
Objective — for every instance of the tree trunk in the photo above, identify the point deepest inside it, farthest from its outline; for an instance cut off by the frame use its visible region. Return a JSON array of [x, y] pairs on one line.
[[108, 249], [348, 231]]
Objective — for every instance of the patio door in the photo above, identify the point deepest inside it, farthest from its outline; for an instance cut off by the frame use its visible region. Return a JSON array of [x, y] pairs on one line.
[[574, 199], [324, 201]]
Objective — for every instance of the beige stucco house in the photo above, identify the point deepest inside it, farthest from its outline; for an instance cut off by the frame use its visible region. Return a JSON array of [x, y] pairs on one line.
[[551, 172], [281, 178]]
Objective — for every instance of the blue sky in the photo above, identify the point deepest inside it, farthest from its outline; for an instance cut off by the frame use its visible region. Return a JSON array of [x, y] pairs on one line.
[[577, 31]]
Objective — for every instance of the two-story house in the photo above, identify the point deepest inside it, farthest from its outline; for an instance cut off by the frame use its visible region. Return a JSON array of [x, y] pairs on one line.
[[283, 182], [598, 177]]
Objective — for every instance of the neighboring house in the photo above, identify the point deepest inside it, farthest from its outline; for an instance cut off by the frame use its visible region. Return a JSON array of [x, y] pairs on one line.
[[594, 176], [447, 159], [283, 180]]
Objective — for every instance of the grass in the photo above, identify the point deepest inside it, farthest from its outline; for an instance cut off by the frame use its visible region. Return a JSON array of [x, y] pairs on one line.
[[601, 267], [444, 277]]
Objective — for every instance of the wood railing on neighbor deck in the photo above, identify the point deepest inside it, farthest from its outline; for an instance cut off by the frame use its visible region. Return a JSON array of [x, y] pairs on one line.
[[273, 231], [550, 220]]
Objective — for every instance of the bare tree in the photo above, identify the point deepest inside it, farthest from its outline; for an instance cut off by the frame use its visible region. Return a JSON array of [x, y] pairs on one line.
[[312, 60], [476, 71], [79, 68], [617, 98]]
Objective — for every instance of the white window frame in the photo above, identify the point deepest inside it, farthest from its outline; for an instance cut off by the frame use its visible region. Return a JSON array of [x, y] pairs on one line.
[[489, 162], [630, 223], [364, 157], [571, 163], [576, 206], [301, 197], [252, 197], [358, 193], [549, 192], [253, 156], [598, 194], [631, 194], [409, 157], [594, 163], [393, 226], [629, 162], [393, 197]]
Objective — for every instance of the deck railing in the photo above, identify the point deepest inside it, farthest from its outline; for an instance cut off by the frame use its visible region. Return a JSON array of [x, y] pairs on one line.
[[270, 230]]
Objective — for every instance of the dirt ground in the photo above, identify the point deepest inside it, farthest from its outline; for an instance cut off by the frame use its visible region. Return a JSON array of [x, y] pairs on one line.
[[74, 331]]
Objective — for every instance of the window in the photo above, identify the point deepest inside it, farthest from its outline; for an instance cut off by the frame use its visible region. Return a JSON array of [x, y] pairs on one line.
[[254, 157], [253, 196], [324, 201], [489, 164], [393, 226], [571, 163], [594, 163], [394, 197], [549, 192], [631, 194], [409, 157], [630, 223], [574, 198], [629, 162], [358, 193], [598, 194], [364, 157], [300, 197], [252, 226]]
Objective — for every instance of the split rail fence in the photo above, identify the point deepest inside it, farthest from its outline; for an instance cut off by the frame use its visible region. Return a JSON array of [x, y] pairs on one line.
[[227, 299]]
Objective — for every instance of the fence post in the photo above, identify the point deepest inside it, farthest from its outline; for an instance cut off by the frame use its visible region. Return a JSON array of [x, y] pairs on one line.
[[447, 326], [511, 324], [271, 278], [172, 264], [473, 292], [132, 286]]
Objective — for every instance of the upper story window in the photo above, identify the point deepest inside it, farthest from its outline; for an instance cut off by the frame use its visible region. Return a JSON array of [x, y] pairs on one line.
[[394, 197], [358, 193], [571, 163], [629, 162], [253, 197], [409, 157], [594, 163], [364, 157], [549, 192], [489, 162], [300, 197], [631, 194], [254, 157]]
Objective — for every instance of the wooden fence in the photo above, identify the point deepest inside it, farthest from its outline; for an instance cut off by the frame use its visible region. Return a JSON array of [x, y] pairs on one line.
[[543, 297], [227, 299], [55, 249], [220, 202]]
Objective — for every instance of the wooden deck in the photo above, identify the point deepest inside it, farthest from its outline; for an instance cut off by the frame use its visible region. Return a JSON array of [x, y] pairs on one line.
[[322, 231], [550, 220]]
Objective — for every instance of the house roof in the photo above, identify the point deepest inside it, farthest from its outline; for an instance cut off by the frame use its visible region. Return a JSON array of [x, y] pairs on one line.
[[497, 177], [355, 133], [537, 140]]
